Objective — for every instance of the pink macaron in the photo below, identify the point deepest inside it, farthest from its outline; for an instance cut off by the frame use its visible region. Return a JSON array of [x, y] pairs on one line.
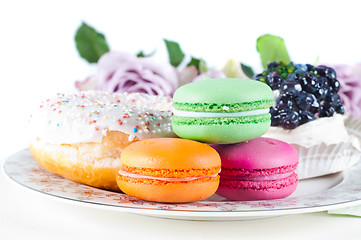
[[259, 169]]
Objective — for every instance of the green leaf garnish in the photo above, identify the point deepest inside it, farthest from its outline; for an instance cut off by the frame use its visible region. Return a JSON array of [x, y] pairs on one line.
[[91, 44], [142, 54], [272, 49], [247, 70], [194, 62], [175, 53]]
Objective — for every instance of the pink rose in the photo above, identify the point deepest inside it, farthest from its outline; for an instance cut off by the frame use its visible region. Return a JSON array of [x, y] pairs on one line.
[[187, 74], [349, 77], [190, 74], [124, 72], [88, 84], [210, 74]]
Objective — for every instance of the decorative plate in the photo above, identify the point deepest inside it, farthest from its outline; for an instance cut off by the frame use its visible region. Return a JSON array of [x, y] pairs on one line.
[[312, 195]]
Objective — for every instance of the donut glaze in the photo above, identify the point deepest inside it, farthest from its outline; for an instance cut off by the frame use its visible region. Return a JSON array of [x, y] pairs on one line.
[[80, 136], [88, 116]]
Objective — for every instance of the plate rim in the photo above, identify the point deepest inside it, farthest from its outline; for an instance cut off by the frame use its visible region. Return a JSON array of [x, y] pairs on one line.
[[180, 212]]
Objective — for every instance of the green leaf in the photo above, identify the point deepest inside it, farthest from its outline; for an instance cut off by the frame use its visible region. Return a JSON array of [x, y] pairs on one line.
[[247, 70], [142, 54], [91, 45], [175, 53], [272, 48], [194, 62]]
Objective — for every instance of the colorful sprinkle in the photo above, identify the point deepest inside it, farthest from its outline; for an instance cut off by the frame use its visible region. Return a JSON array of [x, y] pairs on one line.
[[92, 108]]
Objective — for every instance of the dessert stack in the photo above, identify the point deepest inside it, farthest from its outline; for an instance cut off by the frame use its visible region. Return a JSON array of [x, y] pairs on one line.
[[232, 114], [308, 113]]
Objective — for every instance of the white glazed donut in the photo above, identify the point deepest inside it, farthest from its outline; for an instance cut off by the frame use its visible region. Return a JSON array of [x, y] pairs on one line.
[[80, 136]]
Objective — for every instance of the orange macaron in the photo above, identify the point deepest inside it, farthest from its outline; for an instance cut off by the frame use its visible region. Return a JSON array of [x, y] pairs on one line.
[[169, 170]]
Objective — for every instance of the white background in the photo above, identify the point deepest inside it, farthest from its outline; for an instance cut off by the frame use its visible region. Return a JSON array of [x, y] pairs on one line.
[[38, 58]]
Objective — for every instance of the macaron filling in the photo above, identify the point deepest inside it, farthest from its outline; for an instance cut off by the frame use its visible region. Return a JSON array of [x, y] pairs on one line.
[[181, 113], [223, 107], [260, 185], [259, 178], [264, 118], [239, 178], [172, 173], [127, 174], [221, 114], [242, 172]]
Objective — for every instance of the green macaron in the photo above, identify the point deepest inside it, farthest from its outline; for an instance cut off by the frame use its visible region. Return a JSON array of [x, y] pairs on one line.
[[222, 111]]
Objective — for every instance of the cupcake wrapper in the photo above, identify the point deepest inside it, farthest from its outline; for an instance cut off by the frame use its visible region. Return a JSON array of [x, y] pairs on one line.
[[325, 159], [353, 126]]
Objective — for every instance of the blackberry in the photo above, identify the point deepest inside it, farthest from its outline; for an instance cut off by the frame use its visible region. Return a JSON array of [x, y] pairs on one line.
[[306, 92], [307, 101], [290, 121], [340, 109], [331, 73], [309, 82], [300, 69], [322, 87], [331, 97], [291, 77], [325, 71], [309, 67], [335, 84], [275, 117], [305, 116], [278, 115], [320, 70], [273, 65], [274, 80], [291, 88], [284, 102], [326, 110]]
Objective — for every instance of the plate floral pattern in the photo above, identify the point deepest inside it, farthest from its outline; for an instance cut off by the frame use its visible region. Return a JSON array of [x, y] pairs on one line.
[[24, 170]]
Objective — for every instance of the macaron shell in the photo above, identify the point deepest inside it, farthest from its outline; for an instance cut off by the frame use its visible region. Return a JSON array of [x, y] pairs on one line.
[[259, 153], [230, 95], [223, 90], [221, 134], [170, 154], [259, 169], [169, 170], [170, 192], [257, 190]]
